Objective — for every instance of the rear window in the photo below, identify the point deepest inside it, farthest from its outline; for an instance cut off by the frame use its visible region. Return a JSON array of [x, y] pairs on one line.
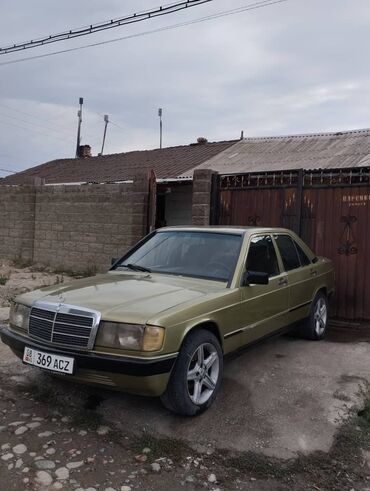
[[288, 252], [305, 261], [262, 256]]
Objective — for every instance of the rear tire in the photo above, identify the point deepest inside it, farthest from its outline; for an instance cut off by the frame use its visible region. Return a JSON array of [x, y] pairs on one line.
[[196, 376], [315, 326]]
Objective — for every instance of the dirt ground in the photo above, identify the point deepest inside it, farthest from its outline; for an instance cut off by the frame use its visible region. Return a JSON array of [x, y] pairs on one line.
[[17, 277], [291, 414]]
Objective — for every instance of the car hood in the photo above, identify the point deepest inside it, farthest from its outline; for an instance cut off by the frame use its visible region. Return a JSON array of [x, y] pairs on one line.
[[126, 297]]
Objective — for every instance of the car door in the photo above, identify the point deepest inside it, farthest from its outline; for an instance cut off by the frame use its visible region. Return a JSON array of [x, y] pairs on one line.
[[302, 275], [263, 307]]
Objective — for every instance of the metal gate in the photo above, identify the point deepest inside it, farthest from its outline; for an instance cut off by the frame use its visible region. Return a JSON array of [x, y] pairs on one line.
[[329, 209]]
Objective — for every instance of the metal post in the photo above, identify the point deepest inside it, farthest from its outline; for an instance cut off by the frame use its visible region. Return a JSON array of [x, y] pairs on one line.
[[214, 215], [106, 120], [160, 112], [299, 207], [79, 115]]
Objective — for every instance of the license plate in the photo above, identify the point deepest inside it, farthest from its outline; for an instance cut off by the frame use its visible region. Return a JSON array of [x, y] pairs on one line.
[[48, 361]]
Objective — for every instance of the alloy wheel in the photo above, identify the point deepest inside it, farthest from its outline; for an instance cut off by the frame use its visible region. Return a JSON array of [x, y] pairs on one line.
[[320, 316], [203, 373]]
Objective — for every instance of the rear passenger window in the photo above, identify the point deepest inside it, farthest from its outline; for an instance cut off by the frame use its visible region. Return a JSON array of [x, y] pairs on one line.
[[262, 256], [302, 255], [288, 252]]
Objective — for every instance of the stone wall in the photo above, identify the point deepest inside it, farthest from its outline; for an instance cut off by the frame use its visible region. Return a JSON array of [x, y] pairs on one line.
[[72, 227]]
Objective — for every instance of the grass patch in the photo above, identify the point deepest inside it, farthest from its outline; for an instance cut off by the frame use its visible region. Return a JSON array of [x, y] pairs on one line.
[[3, 280], [90, 270], [75, 273], [330, 470], [255, 464], [21, 263], [87, 419], [162, 447], [49, 396], [39, 268], [59, 279], [364, 415], [43, 393]]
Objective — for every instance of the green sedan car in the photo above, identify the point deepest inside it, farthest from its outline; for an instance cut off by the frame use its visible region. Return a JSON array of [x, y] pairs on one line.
[[160, 321]]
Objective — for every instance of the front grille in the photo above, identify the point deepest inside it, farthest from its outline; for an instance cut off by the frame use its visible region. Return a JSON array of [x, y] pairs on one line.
[[44, 314], [64, 325], [78, 320]]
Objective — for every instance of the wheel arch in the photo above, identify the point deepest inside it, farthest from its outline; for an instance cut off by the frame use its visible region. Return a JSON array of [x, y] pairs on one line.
[[322, 289], [326, 291], [208, 325]]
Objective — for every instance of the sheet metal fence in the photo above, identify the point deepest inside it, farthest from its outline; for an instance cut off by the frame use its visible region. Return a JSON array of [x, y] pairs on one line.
[[329, 209]]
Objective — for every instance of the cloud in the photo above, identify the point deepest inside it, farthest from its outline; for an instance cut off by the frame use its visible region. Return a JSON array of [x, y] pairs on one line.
[[291, 68]]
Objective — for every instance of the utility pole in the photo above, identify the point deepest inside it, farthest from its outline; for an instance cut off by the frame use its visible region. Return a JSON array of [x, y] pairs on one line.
[[79, 115], [160, 112], [106, 120]]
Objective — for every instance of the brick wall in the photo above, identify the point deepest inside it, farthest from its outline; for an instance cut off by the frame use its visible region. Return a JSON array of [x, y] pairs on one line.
[[202, 186], [72, 227]]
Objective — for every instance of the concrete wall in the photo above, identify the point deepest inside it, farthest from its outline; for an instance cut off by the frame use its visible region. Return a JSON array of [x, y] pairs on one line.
[[72, 227], [17, 221], [202, 187], [80, 227]]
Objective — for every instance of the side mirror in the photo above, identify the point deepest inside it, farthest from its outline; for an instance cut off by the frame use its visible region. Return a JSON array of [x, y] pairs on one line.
[[113, 260], [255, 278]]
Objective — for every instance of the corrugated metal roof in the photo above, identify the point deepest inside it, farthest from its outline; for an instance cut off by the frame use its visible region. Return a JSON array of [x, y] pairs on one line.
[[168, 162], [309, 151]]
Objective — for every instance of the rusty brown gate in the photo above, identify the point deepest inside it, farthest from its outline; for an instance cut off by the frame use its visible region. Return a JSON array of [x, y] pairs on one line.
[[329, 209]]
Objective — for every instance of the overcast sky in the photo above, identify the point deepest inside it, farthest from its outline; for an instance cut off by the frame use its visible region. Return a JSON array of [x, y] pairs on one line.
[[294, 67]]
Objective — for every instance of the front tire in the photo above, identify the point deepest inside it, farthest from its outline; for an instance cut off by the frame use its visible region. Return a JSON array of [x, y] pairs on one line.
[[315, 326], [196, 376]]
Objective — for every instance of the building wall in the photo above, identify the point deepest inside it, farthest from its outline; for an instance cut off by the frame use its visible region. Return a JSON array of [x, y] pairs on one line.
[[179, 204], [72, 227]]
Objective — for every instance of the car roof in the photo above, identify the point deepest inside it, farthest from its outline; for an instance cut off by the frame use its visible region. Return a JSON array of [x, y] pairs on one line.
[[228, 229]]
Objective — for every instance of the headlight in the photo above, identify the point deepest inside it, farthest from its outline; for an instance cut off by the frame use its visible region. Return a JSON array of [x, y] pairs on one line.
[[130, 336], [19, 315]]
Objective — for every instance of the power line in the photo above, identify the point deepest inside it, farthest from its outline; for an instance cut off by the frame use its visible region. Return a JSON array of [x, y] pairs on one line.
[[58, 129], [33, 116], [117, 125], [218, 15], [40, 125], [103, 26], [41, 128], [10, 171], [45, 135], [111, 122]]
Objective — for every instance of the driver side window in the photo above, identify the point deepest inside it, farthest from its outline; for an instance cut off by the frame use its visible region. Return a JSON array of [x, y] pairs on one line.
[[262, 256]]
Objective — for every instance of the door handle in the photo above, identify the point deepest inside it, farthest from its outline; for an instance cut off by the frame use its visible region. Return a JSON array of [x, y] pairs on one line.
[[313, 272], [283, 282]]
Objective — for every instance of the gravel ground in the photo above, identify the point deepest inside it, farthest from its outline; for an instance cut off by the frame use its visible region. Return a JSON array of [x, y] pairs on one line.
[[56, 435], [50, 440], [290, 415]]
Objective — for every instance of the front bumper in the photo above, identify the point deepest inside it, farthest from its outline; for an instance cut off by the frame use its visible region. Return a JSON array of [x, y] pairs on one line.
[[141, 376]]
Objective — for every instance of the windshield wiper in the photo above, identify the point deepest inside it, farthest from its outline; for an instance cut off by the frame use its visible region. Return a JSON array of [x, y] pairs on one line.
[[136, 267]]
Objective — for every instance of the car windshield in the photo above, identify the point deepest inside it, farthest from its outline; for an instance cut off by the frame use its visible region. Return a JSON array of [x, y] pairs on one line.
[[207, 255]]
